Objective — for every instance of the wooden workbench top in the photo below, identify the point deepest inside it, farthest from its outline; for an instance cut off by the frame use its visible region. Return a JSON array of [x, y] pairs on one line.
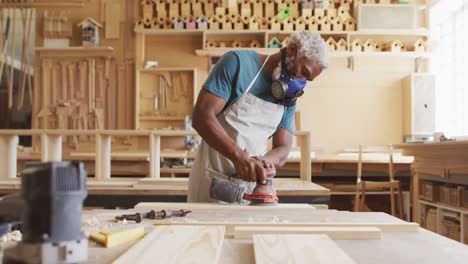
[[394, 247]]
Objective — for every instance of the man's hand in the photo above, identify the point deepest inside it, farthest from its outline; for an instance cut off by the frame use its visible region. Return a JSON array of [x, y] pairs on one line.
[[250, 168]]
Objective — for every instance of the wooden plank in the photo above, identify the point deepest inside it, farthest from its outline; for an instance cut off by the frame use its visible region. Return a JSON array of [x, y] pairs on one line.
[[383, 226], [298, 249], [182, 244], [112, 239], [337, 232], [214, 206]]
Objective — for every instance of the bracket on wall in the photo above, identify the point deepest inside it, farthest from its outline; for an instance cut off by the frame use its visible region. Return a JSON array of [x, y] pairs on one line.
[[350, 63], [209, 63], [417, 63]]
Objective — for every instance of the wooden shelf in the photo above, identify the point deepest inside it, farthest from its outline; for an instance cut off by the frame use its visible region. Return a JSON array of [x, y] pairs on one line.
[[75, 51], [217, 52], [170, 31], [415, 32], [45, 4], [162, 118], [448, 207], [165, 69]]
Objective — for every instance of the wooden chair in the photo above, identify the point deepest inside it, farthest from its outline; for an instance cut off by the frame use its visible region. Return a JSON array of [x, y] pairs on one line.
[[392, 185]]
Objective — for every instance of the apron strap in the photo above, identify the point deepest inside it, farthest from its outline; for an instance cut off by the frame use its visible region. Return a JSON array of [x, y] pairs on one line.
[[256, 76]]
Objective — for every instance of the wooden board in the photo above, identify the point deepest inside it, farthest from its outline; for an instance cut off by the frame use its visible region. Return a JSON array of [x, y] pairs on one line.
[[181, 244], [272, 249], [230, 226], [213, 206], [112, 25], [337, 233]]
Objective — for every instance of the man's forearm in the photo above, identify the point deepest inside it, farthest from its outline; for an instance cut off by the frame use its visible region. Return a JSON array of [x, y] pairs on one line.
[[214, 134], [278, 155]]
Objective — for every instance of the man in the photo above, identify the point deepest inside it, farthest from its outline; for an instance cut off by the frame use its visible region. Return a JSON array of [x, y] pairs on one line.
[[247, 99]]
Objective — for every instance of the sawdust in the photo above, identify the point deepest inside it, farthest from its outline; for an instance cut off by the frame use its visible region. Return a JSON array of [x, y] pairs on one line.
[[12, 236], [123, 222]]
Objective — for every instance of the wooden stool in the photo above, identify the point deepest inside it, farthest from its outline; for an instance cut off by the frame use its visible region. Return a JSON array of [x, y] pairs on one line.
[[392, 185]]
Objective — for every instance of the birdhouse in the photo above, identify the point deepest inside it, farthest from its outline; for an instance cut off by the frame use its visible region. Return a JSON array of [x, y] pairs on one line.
[[285, 41], [202, 22], [300, 24], [343, 13], [319, 13], [269, 8], [350, 24], [190, 23], [90, 32], [214, 23], [294, 7], [254, 23], [394, 46], [142, 25], [178, 23], [306, 12], [288, 24], [341, 45], [314, 24], [321, 4], [244, 4], [370, 46], [385, 2], [419, 46], [210, 44], [147, 6], [168, 24], [331, 44], [254, 44], [337, 25], [357, 46], [237, 22], [222, 44], [332, 13], [356, 3], [274, 43], [257, 7], [196, 8], [275, 24], [265, 23], [208, 8], [226, 23], [346, 4], [307, 4], [237, 44], [326, 24]]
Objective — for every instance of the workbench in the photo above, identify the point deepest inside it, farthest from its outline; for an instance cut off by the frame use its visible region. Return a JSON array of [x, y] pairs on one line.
[[394, 247]]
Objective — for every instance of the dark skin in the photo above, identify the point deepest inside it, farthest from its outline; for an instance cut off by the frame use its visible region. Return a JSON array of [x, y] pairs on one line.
[[208, 106]]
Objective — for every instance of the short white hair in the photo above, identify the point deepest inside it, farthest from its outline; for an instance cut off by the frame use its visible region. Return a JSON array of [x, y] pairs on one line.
[[310, 45]]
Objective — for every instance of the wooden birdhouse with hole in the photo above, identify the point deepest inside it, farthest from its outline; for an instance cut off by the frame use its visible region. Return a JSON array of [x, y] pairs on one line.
[[306, 13], [357, 46], [237, 44], [319, 13], [275, 24], [394, 46], [343, 13], [147, 6], [196, 6], [269, 6], [214, 24], [237, 22], [314, 24], [274, 43], [332, 13], [210, 44], [356, 3], [202, 22], [168, 24], [254, 23], [265, 24], [294, 7], [160, 8], [90, 32], [288, 24], [221, 44], [341, 45], [140, 24], [346, 4], [226, 23], [178, 23], [350, 24], [419, 46], [255, 44], [157, 23], [370, 46], [326, 24], [257, 7], [331, 44], [285, 41], [190, 23], [300, 24], [337, 25], [185, 8]]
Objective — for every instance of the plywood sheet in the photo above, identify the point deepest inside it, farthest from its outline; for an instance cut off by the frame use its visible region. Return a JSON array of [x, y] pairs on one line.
[[177, 244], [272, 249]]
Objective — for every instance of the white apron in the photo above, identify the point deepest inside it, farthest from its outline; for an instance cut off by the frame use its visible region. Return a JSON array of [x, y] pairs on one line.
[[249, 121]]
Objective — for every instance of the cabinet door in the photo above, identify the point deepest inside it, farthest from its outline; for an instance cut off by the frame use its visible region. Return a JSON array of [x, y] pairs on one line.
[[423, 103]]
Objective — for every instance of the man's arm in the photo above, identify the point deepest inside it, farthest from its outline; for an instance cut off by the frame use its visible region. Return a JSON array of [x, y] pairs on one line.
[[205, 122], [282, 142]]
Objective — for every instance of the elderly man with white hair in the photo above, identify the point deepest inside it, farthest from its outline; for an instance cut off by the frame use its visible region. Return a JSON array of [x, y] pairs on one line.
[[248, 98]]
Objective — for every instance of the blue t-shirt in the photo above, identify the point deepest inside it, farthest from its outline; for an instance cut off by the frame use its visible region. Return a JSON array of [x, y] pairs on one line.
[[232, 75]]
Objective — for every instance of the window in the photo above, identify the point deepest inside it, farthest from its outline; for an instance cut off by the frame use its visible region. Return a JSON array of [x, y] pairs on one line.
[[448, 23]]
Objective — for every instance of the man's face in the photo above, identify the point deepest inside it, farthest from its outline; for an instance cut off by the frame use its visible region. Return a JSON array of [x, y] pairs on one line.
[[301, 67]]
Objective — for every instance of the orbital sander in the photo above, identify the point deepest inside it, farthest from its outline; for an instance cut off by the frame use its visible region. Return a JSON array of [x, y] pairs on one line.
[[225, 190]]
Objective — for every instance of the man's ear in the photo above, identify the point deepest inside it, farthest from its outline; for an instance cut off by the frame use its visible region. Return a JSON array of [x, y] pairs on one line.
[[291, 51]]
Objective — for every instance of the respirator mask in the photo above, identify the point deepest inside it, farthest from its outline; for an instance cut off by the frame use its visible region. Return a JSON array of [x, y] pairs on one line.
[[287, 88]]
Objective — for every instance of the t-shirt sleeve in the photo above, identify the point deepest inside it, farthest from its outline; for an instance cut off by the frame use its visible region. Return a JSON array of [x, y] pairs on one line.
[[288, 119], [222, 78]]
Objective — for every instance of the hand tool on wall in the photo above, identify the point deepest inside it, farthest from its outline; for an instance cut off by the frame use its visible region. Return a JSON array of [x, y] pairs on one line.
[[12, 62], [50, 213], [222, 189], [25, 72], [5, 35]]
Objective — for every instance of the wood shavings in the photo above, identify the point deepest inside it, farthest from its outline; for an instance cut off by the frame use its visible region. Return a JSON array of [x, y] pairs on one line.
[[12, 236], [90, 222], [123, 222]]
